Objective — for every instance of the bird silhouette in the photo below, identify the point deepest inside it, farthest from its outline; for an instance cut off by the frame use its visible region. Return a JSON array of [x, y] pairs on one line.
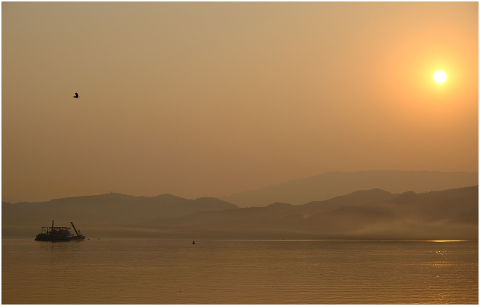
[[76, 95]]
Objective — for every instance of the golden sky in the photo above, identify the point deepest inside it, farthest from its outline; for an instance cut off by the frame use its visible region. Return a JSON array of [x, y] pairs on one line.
[[208, 99]]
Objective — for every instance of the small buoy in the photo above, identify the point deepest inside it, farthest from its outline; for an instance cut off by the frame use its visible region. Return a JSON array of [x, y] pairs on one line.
[[193, 242]]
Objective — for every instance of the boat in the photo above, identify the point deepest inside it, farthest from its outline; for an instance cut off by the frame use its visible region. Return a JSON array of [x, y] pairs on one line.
[[59, 234]]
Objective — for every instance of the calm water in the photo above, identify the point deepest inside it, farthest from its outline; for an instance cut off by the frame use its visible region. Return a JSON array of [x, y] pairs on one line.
[[153, 271]]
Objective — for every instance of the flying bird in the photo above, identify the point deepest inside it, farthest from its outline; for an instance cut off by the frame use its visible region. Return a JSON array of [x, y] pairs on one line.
[[76, 95]]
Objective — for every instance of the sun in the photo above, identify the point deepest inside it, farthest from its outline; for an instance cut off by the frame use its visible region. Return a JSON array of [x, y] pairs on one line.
[[440, 76]]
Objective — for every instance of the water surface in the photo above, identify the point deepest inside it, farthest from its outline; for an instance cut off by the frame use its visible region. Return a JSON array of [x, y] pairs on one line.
[[156, 271]]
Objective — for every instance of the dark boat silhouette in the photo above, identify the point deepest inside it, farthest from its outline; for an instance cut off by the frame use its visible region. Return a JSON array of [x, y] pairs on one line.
[[59, 234]]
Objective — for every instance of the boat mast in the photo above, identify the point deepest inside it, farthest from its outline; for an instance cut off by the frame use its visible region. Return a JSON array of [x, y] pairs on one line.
[[74, 229]]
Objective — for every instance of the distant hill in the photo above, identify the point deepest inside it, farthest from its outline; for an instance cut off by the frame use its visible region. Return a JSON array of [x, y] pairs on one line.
[[333, 184], [100, 211], [363, 214], [371, 214]]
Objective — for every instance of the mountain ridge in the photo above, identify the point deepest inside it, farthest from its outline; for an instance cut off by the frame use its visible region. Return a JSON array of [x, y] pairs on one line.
[[446, 214], [104, 210], [335, 183], [362, 214]]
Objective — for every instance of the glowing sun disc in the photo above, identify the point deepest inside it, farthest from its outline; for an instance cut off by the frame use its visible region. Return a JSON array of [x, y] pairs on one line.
[[440, 76]]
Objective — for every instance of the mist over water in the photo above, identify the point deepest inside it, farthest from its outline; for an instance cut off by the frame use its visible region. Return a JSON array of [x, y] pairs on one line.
[[155, 271]]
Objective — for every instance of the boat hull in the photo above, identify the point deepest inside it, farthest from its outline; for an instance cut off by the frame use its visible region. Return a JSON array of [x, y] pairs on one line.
[[44, 237]]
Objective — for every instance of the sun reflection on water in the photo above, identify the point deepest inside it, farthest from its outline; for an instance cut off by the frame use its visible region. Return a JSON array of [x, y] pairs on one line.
[[442, 241]]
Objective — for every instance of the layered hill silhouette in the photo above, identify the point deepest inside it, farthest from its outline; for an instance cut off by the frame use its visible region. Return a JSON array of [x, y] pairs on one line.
[[333, 184], [113, 211], [371, 214], [364, 214]]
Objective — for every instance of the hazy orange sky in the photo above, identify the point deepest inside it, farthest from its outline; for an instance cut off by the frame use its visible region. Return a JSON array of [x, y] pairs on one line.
[[208, 99]]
